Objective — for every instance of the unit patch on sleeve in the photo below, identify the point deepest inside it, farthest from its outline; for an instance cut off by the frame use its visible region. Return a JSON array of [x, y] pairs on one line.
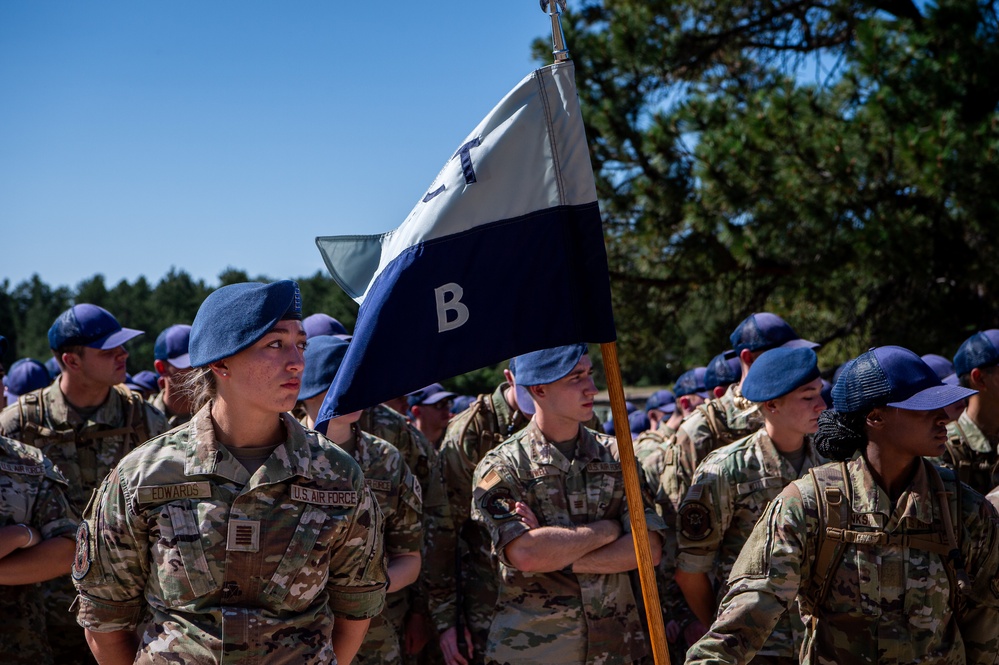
[[81, 562], [499, 503], [695, 521]]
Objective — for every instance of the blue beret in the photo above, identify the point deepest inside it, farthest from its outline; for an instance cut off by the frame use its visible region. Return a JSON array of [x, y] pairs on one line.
[[979, 350], [663, 400], [322, 324], [764, 330], [691, 382], [323, 357], [779, 371], [235, 317], [548, 365]]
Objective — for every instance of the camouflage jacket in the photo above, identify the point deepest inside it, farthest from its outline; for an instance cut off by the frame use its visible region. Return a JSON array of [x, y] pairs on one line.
[[386, 424], [887, 602], [469, 436], [172, 420], [216, 565], [84, 449], [560, 617], [993, 497], [731, 488], [971, 454], [32, 492]]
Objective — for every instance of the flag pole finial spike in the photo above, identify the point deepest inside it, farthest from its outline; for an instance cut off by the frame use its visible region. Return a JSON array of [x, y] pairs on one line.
[[554, 9]]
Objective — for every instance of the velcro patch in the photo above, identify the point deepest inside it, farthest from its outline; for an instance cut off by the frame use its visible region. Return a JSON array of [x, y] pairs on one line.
[[603, 467], [543, 471], [499, 503], [82, 559], [695, 521], [244, 536], [338, 498], [23, 469], [758, 484], [488, 481], [162, 493], [379, 485]]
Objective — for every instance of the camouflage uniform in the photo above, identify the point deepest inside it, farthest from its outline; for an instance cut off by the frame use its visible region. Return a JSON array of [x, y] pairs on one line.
[[172, 420], [560, 617], [84, 449], [469, 436], [971, 454], [887, 603], [731, 489], [993, 497], [387, 424], [32, 492], [397, 493], [211, 564]]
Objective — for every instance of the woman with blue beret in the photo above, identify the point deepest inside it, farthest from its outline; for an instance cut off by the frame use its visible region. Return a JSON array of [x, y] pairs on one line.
[[393, 486], [241, 536], [733, 485], [889, 558]]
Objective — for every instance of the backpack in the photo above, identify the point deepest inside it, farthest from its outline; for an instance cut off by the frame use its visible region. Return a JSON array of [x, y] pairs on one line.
[[832, 492], [31, 408]]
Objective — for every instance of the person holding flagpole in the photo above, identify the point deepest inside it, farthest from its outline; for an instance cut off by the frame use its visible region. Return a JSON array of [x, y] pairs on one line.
[[552, 499], [240, 536]]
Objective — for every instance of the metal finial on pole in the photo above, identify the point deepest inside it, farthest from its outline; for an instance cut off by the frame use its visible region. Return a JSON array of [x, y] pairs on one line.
[[554, 9]]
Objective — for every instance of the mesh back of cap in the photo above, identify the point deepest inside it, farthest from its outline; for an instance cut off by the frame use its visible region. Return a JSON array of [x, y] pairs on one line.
[[862, 385]]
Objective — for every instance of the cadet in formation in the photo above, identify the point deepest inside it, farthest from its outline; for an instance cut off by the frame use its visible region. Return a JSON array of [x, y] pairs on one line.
[[552, 499], [394, 488], [734, 484], [37, 527], [241, 536], [172, 360], [890, 559]]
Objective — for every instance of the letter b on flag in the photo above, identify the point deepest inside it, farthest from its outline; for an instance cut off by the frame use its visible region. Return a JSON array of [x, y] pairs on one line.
[[449, 300]]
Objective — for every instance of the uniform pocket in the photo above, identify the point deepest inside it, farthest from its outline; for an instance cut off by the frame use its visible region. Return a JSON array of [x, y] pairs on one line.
[[179, 554], [304, 567]]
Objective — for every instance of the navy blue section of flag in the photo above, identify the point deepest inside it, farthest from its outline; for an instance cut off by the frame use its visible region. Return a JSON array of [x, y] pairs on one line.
[[503, 255]]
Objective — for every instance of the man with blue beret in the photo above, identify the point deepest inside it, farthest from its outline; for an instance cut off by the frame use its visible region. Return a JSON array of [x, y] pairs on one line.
[[972, 438], [734, 483], [552, 499], [172, 360], [392, 484], [84, 422], [459, 566]]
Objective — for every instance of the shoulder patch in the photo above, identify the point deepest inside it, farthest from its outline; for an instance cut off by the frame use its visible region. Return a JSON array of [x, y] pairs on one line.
[[489, 480], [338, 498], [81, 561], [499, 503], [161, 493], [695, 521]]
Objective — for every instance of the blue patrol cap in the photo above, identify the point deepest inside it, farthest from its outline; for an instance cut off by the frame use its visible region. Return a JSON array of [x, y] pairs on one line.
[[762, 331], [428, 395], [323, 357], [236, 316], [723, 370], [638, 422], [322, 324], [91, 326], [661, 400], [173, 346], [52, 365], [460, 403], [943, 368], [25, 375], [892, 376], [146, 380], [979, 350], [548, 365], [691, 382], [779, 371]]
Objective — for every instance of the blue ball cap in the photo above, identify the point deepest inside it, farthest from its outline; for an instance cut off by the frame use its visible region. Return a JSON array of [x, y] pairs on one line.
[[892, 376], [723, 370], [548, 365], [638, 422], [460, 403], [428, 395], [146, 380], [779, 371], [322, 324], [662, 400], [942, 367], [762, 331], [91, 326], [173, 346], [52, 365], [691, 382], [323, 356], [234, 317], [25, 375], [979, 350]]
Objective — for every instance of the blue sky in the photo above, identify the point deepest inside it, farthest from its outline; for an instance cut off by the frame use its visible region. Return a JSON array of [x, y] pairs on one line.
[[143, 135]]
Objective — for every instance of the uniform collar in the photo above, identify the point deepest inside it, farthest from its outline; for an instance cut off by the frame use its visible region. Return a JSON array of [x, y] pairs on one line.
[[915, 505], [544, 453], [970, 432], [109, 413], [510, 420]]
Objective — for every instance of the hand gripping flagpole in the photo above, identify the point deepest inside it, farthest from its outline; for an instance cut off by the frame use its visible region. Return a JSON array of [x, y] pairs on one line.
[[619, 411]]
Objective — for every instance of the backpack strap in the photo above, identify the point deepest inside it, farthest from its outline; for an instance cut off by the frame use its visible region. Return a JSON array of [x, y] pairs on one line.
[[832, 495], [961, 465], [710, 410], [31, 414], [953, 558]]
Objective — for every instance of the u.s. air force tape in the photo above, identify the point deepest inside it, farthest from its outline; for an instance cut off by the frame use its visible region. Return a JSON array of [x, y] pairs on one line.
[[338, 498]]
